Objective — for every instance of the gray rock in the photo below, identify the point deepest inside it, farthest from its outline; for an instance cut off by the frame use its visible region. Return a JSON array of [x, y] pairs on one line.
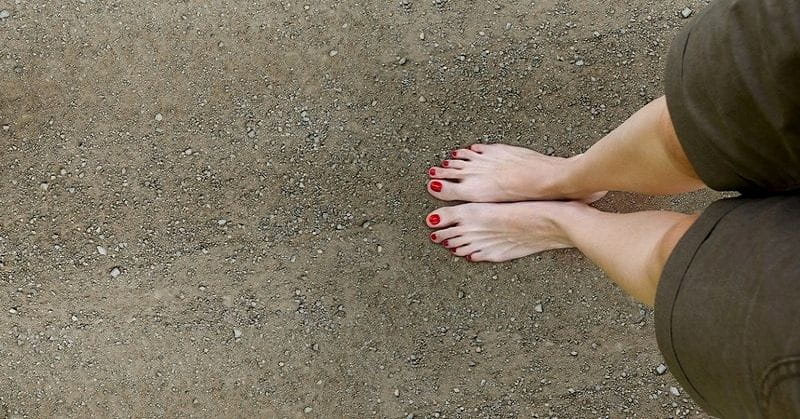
[[115, 272], [661, 369], [4, 14], [685, 13]]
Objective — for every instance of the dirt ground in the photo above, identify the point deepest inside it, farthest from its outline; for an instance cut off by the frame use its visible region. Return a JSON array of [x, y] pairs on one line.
[[215, 209]]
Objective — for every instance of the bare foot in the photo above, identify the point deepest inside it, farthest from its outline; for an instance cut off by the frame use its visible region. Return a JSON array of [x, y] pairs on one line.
[[500, 232], [501, 173]]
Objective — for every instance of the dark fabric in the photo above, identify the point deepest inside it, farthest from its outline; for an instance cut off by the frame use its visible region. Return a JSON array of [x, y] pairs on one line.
[[728, 308], [733, 91]]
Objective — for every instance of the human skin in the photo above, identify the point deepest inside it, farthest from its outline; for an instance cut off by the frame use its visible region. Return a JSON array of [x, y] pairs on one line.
[[641, 155]]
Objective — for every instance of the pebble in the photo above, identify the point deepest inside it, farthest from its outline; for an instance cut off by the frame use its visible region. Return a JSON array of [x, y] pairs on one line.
[[396, 393], [159, 117], [115, 272], [661, 369], [13, 311], [422, 99], [44, 186], [579, 63], [188, 151], [102, 250], [422, 36], [308, 409], [402, 61], [222, 222], [4, 14], [573, 353], [237, 333], [538, 308], [686, 12], [674, 391], [333, 53]]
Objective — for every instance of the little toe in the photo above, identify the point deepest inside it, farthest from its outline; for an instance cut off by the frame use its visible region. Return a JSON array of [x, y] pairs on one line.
[[464, 154], [442, 173]]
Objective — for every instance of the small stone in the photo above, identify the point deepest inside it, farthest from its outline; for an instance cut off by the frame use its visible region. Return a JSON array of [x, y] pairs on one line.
[[333, 53], [396, 393], [188, 151], [222, 222], [308, 409], [573, 353], [661, 369], [13, 311], [579, 63], [508, 26], [4, 14], [674, 391], [102, 250], [402, 61], [115, 272], [159, 117], [422, 99], [538, 308], [478, 349], [422, 36], [237, 333], [685, 13], [63, 172]]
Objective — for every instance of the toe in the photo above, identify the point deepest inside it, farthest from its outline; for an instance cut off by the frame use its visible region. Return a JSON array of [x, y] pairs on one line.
[[445, 234], [464, 154], [446, 190], [442, 173], [478, 148], [454, 164], [456, 242], [442, 217], [466, 250]]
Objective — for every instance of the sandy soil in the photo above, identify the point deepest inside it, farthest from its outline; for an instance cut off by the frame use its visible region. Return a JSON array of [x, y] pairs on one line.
[[215, 209]]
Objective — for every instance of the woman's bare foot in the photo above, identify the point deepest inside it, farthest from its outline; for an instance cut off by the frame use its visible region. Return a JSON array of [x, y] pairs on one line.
[[502, 173], [500, 232]]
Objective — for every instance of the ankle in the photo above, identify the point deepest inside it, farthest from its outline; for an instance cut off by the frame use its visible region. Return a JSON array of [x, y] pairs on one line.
[[569, 181]]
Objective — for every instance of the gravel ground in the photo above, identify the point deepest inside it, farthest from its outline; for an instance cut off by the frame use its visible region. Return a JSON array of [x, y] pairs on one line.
[[215, 209]]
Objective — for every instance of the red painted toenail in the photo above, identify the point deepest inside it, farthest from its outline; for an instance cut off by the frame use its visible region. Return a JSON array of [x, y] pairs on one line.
[[434, 219], [454, 153], [433, 236], [445, 163], [453, 250], [444, 243], [432, 171], [436, 186]]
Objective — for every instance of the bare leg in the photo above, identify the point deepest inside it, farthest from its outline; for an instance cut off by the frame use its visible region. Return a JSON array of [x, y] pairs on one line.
[[641, 155], [631, 248]]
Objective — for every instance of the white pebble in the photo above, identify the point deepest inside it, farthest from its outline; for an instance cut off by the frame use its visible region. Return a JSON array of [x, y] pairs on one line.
[[686, 12], [661, 369], [333, 53], [188, 151], [674, 391], [159, 117], [237, 333], [43, 186], [115, 272], [538, 308], [102, 250], [4, 14], [308, 409], [222, 222]]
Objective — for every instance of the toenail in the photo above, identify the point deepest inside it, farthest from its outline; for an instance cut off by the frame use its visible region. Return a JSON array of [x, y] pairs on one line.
[[445, 163], [432, 171], [433, 236], [454, 153], [453, 250], [436, 186], [444, 243], [469, 258], [434, 219]]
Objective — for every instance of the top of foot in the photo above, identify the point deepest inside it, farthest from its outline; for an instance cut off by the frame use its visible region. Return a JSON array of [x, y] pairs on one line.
[[500, 173]]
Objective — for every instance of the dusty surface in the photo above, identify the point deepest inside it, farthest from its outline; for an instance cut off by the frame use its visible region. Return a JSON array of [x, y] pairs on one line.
[[254, 172]]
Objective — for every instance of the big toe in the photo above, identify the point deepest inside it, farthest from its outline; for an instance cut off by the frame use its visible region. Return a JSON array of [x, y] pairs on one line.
[[441, 218], [446, 190]]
